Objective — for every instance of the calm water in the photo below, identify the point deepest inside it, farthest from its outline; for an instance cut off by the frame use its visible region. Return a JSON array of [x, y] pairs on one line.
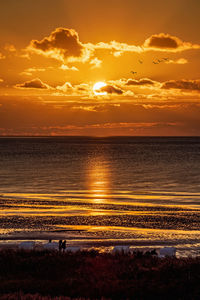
[[102, 191]]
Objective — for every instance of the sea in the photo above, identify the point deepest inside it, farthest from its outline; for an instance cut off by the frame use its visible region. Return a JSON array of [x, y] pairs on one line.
[[100, 192]]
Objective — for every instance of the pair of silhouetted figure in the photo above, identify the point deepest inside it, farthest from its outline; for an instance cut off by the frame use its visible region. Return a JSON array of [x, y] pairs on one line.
[[62, 245]]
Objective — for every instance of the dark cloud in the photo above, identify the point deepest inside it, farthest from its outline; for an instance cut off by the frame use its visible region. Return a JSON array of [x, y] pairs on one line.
[[167, 42], [33, 84], [144, 81], [64, 40], [64, 43], [182, 84], [163, 41], [111, 90]]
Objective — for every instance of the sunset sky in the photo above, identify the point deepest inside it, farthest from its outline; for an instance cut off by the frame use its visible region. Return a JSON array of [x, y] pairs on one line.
[[109, 67]]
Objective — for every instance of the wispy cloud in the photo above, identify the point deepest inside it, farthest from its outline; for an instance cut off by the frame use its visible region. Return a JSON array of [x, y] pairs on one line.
[[180, 61], [10, 48], [2, 56], [67, 68], [96, 63]]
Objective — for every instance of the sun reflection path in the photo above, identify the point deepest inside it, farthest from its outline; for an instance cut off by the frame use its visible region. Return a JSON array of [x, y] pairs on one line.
[[98, 181]]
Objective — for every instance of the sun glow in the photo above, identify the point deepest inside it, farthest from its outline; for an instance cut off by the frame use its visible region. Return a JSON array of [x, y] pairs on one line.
[[97, 88], [98, 181]]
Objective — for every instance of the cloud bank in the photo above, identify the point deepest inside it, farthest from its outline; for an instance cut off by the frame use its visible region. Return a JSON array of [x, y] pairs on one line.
[[193, 85], [64, 44]]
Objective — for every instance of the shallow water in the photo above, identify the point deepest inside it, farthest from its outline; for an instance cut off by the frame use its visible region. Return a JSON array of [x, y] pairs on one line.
[[102, 191]]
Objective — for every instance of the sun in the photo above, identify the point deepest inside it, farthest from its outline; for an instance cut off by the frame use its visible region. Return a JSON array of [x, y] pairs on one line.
[[97, 88]]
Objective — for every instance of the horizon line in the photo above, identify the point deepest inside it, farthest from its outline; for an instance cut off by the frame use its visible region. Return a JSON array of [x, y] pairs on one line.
[[98, 136]]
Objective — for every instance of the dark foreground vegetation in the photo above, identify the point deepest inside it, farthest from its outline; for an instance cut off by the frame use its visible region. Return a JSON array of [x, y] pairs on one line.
[[97, 276]]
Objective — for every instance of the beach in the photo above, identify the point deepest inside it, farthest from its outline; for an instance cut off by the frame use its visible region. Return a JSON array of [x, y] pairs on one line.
[[128, 209], [101, 192]]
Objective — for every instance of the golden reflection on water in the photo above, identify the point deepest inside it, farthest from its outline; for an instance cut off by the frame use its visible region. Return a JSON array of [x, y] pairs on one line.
[[98, 181]]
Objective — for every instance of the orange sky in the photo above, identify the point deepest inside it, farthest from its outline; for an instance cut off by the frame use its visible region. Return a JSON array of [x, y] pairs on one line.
[[146, 53]]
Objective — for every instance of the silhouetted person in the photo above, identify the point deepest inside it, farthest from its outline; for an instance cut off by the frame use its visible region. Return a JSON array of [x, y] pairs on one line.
[[60, 245], [50, 241], [64, 245]]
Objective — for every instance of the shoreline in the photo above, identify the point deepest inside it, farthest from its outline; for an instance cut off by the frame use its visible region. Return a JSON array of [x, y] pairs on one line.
[[181, 250], [187, 243]]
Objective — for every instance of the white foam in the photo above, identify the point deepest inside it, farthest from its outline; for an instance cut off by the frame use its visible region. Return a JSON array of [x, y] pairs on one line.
[[51, 246], [27, 245], [118, 249], [167, 251], [72, 249]]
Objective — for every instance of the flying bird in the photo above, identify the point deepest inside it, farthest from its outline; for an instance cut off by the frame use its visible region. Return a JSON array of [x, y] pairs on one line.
[[133, 72], [140, 61]]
